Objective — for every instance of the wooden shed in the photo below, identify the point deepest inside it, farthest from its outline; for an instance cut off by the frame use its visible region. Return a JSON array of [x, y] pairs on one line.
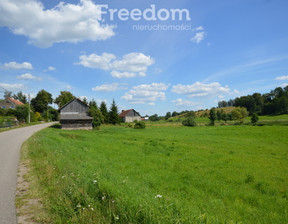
[[130, 115], [74, 115]]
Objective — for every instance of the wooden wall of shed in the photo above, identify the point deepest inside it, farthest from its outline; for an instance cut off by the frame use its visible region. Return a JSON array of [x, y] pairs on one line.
[[76, 124]]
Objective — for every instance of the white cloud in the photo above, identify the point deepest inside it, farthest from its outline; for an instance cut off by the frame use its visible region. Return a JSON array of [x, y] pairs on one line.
[[50, 68], [198, 37], [158, 70], [63, 23], [199, 28], [200, 89], [282, 78], [130, 65], [15, 65], [28, 76], [83, 98], [12, 87], [146, 94], [68, 87], [119, 75], [186, 103], [109, 87], [99, 101], [133, 62], [97, 61]]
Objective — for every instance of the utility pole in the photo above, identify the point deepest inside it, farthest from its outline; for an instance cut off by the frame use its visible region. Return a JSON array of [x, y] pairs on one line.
[[29, 108]]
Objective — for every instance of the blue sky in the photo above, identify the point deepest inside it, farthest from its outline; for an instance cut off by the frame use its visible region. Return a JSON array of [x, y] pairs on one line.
[[153, 56]]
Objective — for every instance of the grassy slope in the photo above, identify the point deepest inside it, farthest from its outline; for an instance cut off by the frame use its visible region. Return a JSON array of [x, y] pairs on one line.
[[204, 174], [266, 120]]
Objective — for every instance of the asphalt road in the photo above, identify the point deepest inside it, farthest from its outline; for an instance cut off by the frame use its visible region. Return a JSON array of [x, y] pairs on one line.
[[10, 144]]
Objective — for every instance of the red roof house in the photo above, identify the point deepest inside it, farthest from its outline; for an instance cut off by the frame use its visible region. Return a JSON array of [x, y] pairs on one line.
[[10, 102], [130, 115]]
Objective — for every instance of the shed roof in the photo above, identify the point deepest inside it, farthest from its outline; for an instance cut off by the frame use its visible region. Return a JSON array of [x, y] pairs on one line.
[[84, 104]]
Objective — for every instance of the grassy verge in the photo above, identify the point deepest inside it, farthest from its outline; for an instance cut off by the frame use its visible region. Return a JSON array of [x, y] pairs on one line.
[[20, 126], [28, 194], [163, 174]]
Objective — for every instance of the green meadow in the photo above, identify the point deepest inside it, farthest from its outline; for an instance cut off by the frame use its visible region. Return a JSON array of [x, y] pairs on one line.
[[162, 174]]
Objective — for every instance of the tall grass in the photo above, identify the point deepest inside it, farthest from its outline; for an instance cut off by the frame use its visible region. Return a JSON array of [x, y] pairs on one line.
[[223, 174]]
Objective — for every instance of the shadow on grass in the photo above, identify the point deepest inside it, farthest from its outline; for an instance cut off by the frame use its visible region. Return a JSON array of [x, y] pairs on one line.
[[57, 126]]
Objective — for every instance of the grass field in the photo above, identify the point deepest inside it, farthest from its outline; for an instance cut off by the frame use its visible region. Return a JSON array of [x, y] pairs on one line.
[[162, 174]]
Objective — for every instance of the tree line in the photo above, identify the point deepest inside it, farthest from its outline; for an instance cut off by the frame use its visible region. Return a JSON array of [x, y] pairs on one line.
[[273, 103], [40, 108]]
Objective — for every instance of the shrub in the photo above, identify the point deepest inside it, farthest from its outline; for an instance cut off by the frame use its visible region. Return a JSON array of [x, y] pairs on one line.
[[139, 125], [254, 118], [190, 121], [98, 118], [239, 114], [129, 125], [38, 116], [22, 112]]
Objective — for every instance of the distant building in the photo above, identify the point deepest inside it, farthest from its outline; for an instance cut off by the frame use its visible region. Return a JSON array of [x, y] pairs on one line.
[[146, 118], [130, 115], [10, 103], [74, 115]]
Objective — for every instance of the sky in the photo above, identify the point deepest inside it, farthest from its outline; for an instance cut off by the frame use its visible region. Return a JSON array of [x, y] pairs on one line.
[[151, 56]]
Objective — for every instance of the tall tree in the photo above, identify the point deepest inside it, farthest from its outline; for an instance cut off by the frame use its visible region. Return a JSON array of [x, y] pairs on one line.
[[104, 111], [154, 117], [212, 116], [63, 98], [7, 94], [174, 114], [168, 115], [113, 114], [41, 101], [21, 97], [98, 118], [93, 104], [84, 100]]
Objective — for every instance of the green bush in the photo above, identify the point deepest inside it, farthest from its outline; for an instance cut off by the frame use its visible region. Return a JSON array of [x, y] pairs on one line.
[[239, 114], [139, 125], [190, 121], [98, 118], [130, 125], [254, 118]]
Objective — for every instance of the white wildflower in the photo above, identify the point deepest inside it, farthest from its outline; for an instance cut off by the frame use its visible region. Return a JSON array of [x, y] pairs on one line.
[[158, 196], [117, 217], [94, 181]]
